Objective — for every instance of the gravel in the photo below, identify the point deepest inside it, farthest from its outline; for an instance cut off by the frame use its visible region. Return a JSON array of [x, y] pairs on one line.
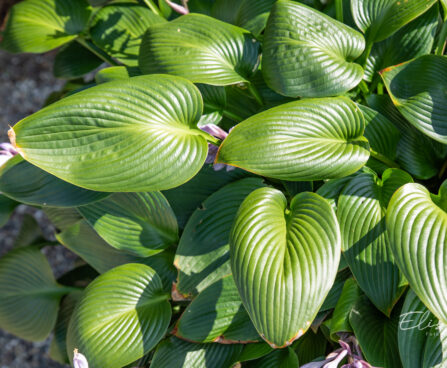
[[26, 80]]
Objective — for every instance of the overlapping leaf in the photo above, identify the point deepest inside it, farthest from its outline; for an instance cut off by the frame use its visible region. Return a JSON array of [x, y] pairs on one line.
[[142, 224], [303, 140], [74, 60], [277, 256], [133, 135], [114, 73], [308, 54], [417, 225], [129, 299], [7, 205], [201, 49]]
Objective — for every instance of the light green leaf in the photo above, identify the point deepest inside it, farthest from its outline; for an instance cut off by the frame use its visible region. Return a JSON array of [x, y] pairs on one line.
[[417, 225], [42, 25], [131, 135], [119, 28], [422, 102], [303, 140], [114, 73], [422, 339], [176, 353], [203, 253], [142, 224], [366, 245], [376, 334], [28, 184], [81, 239], [29, 294], [7, 205], [201, 49], [277, 257], [380, 19], [217, 315], [308, 54], [121, 316]]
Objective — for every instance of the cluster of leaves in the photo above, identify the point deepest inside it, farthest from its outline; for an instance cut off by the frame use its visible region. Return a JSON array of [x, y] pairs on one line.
[[325, 229]]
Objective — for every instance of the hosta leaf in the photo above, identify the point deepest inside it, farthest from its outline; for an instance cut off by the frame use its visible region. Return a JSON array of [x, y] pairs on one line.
[[201, 49], [132, 135], [337, 287], [62, 218], [366, 245], [280, 358], [26, 183], [422, 102], [203, 253], [411, 41], [310, 346], [29, 294], [422, 339], [275, 257], [142, 224], [81, 239], [217, 314], [379, 19], [114, 73], [119, 28], [121, 316], [376, 334], [29, 233], [306, 53], [42, 25], [74, 60], [303, 140], [7, 205], [254, 351], [417, 225], [176, 353]]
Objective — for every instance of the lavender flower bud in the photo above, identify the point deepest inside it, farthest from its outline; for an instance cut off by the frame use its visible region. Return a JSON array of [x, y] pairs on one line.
[[79, 360]]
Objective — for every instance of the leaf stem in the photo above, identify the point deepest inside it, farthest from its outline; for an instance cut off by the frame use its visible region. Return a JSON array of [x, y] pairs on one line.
[[382, 158], [440, 46], [89, 45], [151, 5], [339, 10], [364, 58], [443, 170], [256, 94]]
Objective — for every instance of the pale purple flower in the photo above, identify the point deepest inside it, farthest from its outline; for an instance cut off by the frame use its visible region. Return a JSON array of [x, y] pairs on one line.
[[79, 360], [6, 152], [182, 9], [219, 133]]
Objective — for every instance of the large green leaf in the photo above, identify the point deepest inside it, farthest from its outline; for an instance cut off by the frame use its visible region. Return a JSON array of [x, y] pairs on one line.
[[203, 253], [7, 205], [176, 353], [26, 183], [217, 315], [81, 239], [379, 19], [29, 294], [306, 53], [366, 246], [200, 48], [131, 135], [417, 225], [303, 140], [284, 261], [142, 224], [376, 334], [422, 339], [42, 25], [411, 41], [423, 101], [121, 316], [118, 29]]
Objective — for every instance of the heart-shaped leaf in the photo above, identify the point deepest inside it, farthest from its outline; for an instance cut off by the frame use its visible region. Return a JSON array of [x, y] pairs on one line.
[[119, 28], [217, 315], [176, 353], [142, 224], [308, 54], [302, 140], [129, 299], [422, 102], [278, 256], [132, 135], [28, 184], [380, 19], [201, 49], [422, 339], [42, 25], [29, 294], [203, 253], [366, 246], [417, 225]]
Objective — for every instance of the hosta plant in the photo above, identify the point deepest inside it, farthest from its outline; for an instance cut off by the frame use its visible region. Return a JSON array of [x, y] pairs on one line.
[[247, 183]]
